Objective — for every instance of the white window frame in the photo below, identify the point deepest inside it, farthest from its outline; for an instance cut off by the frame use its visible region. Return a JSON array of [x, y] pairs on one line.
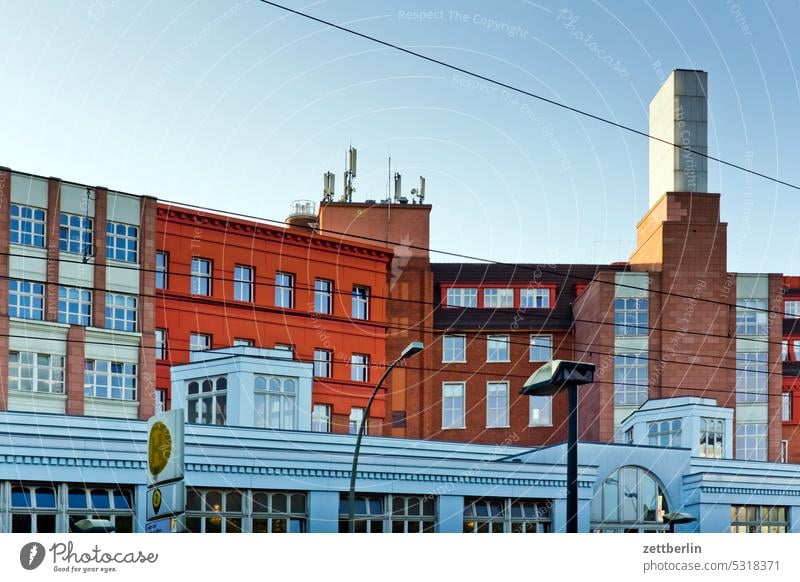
[[323, 363], [241, 341], [501, 412], [752, 378], [786, 406], [284, 290], [540, 342], [450, 351], [540, 411], [360, 299], [122, 246], [121, 312], [321, 418], [453, 404], [243, 277], [498, 298], [36, 223], [323, 296], [627, 392], [28, 299], [214, 400], [534, 298], [355, 420], [276, 390], [359, 370], [665, 433], [496, 344], [162, 270], [195, 342], [125, 375], [74, 296], [752, 317], [631, 316], [76, 239], [201, 277], [44, 377], [791, 308], [752, 441], [161, 343], [712, 438], [466, 297]]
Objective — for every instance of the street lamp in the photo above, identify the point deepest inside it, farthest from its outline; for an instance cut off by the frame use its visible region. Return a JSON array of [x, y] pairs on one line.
[[553, 377], [410, 350], [677, 517]]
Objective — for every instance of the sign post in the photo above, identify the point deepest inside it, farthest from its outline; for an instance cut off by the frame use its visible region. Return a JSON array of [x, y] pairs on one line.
[[166, 491]]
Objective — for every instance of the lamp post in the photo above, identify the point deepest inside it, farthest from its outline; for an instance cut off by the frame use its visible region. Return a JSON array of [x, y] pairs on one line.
[[551, 378], [410, 350]]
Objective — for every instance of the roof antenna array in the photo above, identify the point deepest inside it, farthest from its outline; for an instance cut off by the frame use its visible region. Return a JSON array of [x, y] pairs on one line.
[[329, 186], [349, 174]]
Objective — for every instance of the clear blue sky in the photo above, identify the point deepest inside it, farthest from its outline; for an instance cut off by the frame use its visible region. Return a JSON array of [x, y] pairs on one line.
[[241, 106]]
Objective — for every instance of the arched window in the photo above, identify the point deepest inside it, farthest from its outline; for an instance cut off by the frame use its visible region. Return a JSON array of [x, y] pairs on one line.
[[630, 500], [207, 400], [276, 402]]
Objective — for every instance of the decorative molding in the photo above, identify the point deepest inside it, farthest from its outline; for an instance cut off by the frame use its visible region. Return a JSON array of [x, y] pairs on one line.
[[72, 462]]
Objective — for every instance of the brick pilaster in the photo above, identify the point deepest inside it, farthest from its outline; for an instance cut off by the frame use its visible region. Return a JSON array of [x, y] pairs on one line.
[[147, 308], [5, 202], [74, 373], [99, 239], [53, 223]]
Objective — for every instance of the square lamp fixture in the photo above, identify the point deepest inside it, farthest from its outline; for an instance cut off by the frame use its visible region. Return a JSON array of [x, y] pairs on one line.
[[557, 374]]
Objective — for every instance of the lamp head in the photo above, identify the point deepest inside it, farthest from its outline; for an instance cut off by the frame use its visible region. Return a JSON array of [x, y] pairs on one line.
[[411, 349], [555, 375]]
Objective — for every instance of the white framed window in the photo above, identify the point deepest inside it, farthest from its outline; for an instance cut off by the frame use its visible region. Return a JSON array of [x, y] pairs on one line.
[[122, 242], [785, 351], [498, 348], [32, 372], [541, 411], [630, 379], [323, 360], [162, 269], [496, 404], [499, 515], [784, 451], [160, 396], [115, 505], [239, 341], [161, 344], [786, 406], [712, 438], [25, 299], [201, 276], [199, 342], [284, 290], [33, 508], [462, 297], [207, 401], [214, 510], [454, 348], [541, 348], [112, 380], [285, 348], [631, 316], [360, 302], [75, 234], [27, 225], [279, 512], [276, 402], [664, 433], [356, 418], [498, 298], [323, 296], [391, 513], [759, 519], [536, 298], [751, 442], [453, 405], [752, 377], [359, 368], [791, 308], [321, 418], [74, 306], [751, 317], [120, 312], [243, 283]]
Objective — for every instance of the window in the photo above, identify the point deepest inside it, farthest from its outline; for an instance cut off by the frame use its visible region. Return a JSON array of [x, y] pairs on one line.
[[213, 511], [496, 404], [541, 411], [201, 276], [751, 377], [115, 505], [160, 396], [538, 298], [162, 270], [199, 342], [712, 438], [630, 499], [161, 344], [238, 341], [32, 372], [112, 380], [785, 351], [75, 234], [453, 405], [323, 296], [243, 283], [791, 308], [630, 316], [751, 317], [664, 433], [322, 363], [454, 348], [786, 406], [284, 290], [628, 436], [276, 402], [360, 302], [497, 515], [27, 225], [122, 242], [759, 519], [321, 418], [275, 512], [356, 418], [784, 451], [498, 298], [541, 348], [498, 348], [74, 306], [462, 297], [751, 442], [120, 312], [286, 348], [33, 509], [630, 379], [25, 299], [389, 514], [359, 368], [207, 401]]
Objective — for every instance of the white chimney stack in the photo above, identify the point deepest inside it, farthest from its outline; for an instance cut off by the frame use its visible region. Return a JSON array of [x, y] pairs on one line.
[[679, 115]]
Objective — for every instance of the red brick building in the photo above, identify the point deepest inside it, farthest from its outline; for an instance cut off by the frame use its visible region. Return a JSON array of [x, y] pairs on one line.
[[790, 403]]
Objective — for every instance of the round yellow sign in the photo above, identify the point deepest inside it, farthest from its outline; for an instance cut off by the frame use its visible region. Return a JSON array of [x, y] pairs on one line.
[[156, 500], [159, 448]]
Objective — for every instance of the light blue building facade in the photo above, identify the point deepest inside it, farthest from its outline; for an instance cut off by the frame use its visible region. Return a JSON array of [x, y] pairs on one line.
[[57, 469]]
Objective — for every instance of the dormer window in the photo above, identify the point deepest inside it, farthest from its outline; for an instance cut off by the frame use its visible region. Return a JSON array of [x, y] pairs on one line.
[[664, 433], [712, 433], [276, 402]]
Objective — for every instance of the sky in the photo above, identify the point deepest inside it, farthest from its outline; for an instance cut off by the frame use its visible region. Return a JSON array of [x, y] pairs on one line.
[[239, 106]]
